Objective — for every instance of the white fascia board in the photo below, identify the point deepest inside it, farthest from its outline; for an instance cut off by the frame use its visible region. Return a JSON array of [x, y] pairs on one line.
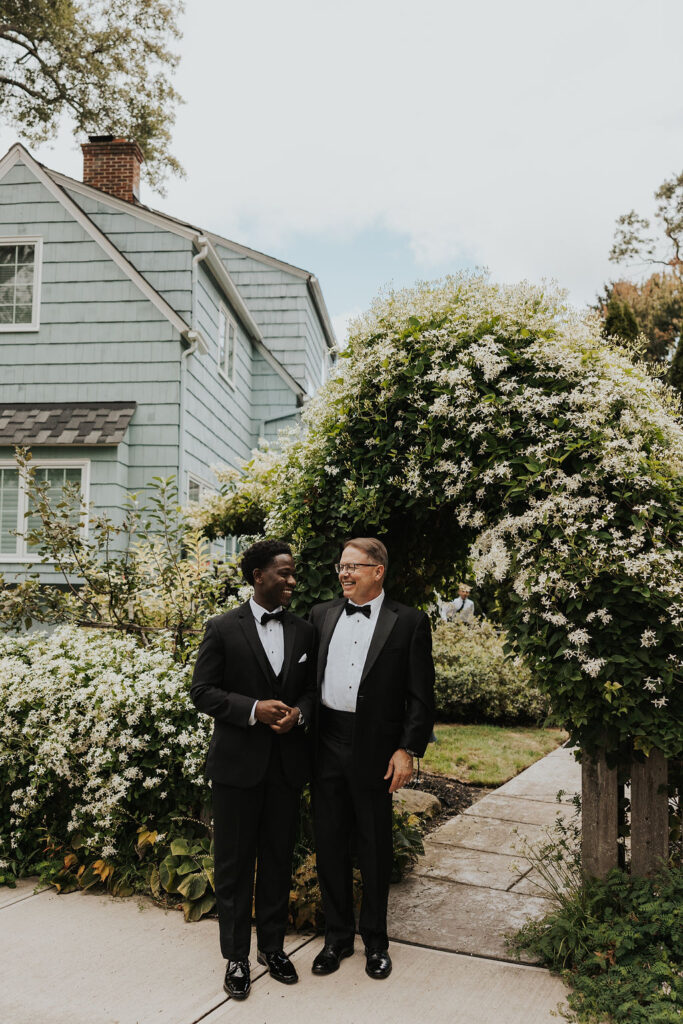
[[226, 283], [321, 309], [268, 261], [229, 289], [280, 370], [160, 220], [17, 154]]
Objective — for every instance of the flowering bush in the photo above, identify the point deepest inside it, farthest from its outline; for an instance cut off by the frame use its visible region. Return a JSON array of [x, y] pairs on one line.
[[98, 737], [102, 756], [475, 681], [152, 573], [471, 418]]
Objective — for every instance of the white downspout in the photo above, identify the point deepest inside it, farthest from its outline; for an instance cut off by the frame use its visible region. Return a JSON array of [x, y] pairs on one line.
[[193, 337]]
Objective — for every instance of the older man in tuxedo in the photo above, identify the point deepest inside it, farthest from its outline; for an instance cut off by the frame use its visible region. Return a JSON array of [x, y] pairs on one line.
[[376, 702], [255, 675]]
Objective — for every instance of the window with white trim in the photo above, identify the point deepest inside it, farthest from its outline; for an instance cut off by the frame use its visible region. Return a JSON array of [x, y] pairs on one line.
[[20, 263], [227, 341], [14, 503]]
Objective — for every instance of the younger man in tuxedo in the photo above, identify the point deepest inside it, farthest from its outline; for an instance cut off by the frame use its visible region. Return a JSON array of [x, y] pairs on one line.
[[255, 675]]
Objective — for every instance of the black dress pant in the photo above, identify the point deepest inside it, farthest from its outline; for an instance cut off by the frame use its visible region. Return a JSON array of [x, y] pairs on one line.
[[343, 812], [257, 823]]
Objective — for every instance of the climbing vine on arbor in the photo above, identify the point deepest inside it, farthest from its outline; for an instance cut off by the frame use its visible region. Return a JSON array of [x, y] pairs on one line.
[[473, 420]]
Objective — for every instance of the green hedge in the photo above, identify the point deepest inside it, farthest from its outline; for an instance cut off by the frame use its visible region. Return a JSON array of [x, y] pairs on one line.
[[477, 682]]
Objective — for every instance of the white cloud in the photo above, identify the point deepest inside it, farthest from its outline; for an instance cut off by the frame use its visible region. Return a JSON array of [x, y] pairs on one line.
[[506, 135]]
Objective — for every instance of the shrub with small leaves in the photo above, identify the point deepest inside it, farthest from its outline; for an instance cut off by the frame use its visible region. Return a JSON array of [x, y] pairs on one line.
[[477, 682]]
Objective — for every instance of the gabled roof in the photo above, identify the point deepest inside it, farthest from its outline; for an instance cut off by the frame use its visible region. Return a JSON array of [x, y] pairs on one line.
[[57, 184], [17, 154], [192, 231]]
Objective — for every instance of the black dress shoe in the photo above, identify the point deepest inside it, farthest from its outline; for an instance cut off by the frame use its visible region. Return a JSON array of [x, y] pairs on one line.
[[237, 981], [280, 966], [377, 963], [329, 957]]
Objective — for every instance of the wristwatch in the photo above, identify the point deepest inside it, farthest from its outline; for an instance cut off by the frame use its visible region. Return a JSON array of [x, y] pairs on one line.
[[302, 720], [411, 752]]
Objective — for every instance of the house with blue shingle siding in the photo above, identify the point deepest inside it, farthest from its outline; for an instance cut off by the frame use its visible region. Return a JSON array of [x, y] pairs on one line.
[[134, 344]]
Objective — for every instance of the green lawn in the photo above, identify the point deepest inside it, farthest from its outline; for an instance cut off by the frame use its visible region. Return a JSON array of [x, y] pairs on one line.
[[488, 755]]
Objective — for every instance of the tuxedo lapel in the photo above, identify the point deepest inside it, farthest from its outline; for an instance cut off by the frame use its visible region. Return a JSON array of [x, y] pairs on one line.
[[385, 624], [330, 621], [246, 619], [289, 628]]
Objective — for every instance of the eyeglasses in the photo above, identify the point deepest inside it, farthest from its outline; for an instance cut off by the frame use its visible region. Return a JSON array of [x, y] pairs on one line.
[[353, 566]]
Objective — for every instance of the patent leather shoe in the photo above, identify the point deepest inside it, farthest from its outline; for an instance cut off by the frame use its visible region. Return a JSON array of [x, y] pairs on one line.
[[280, 966], [237, 981], [377, 963], [329, 958]]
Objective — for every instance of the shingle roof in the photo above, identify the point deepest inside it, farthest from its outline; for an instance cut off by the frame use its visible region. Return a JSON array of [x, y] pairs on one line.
[[77, 423]]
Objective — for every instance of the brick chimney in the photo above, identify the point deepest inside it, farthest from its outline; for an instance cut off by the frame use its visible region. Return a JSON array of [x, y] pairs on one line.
[[112, 165]]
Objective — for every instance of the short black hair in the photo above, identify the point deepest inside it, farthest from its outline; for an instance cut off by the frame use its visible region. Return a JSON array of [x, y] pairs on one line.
[[260, 555]]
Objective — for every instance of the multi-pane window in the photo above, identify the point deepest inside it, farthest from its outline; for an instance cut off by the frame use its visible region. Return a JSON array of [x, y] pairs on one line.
[[227, 340], [19, 284], [194, 489], [14, 504], [9, 509]]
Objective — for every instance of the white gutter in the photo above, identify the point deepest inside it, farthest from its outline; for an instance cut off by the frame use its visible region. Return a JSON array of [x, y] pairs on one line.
[[196, 340]]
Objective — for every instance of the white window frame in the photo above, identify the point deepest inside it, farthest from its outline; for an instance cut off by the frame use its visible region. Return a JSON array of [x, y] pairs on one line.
[[203, 485], [37, 281], [21, 553], [229, 322]]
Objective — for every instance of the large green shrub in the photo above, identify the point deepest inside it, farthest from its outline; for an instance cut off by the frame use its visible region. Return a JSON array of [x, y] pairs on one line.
[[477, 682], [98, 737], [470, 418]]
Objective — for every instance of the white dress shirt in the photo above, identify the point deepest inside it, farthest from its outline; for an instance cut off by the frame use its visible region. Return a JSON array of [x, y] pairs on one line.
[[346, 656], [272, 637]]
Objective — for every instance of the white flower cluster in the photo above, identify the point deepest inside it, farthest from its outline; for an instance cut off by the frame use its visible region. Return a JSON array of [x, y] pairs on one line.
[[558, 456], [96, 729]]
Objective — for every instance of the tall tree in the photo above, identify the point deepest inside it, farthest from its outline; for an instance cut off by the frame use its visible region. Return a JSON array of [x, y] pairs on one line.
[[653, 308], [106, 64], [661, 243]]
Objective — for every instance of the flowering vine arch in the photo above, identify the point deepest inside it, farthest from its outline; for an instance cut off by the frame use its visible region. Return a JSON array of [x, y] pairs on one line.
[[473, 420]]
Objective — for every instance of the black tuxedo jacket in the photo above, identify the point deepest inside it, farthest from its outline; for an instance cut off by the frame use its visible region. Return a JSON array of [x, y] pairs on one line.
[[395, 704], [231, 672]]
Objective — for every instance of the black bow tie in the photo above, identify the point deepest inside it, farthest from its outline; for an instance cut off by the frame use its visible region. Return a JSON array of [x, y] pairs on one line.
[[267, 616], [364, 609]]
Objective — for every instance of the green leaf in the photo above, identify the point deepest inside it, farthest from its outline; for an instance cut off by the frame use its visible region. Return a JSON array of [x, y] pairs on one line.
[[186, 866], [167, 875], [180, 848], [194, 910], [193, 886]]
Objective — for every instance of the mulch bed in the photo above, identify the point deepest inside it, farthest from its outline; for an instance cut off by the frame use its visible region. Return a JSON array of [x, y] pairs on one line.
[[455, 796]]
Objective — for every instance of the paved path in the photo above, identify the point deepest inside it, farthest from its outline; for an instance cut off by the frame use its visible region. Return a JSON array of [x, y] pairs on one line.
[[85, 958], [473, 885]]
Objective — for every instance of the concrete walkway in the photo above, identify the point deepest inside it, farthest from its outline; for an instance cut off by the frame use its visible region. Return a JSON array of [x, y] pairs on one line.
[[473, 885], [85, 958]]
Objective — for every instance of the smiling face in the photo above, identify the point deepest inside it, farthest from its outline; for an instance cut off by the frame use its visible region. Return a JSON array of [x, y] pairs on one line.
[[366, 582], [274, 585]]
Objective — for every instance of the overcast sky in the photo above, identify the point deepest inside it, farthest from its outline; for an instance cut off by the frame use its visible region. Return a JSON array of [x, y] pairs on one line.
[[376, 142]]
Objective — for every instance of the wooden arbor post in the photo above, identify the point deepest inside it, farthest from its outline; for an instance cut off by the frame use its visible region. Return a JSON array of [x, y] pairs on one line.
[[649, 815], [599, 825]]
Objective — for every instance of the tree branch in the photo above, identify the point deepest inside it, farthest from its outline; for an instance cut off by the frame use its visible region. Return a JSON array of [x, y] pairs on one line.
[[43, 97]]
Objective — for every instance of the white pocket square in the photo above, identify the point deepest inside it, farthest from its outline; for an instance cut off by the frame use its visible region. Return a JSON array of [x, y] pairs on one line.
[[303, 658]]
